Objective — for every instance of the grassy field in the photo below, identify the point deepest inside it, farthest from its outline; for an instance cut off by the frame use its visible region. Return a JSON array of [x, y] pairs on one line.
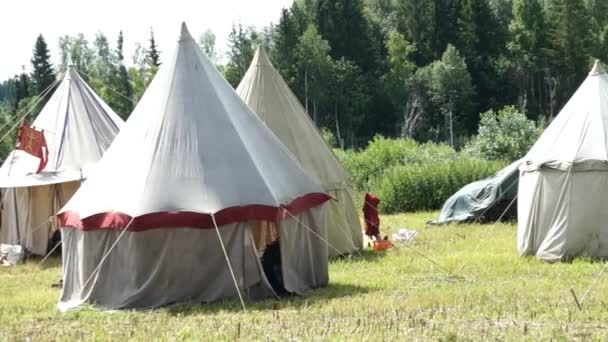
[[485, 292]]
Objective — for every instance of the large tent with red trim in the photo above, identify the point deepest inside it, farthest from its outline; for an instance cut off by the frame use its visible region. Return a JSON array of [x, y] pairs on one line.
[[265, 91], [187, 198], [75, 127]]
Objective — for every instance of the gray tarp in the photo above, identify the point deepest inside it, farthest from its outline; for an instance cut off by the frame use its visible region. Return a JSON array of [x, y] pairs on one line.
[[485, 199]]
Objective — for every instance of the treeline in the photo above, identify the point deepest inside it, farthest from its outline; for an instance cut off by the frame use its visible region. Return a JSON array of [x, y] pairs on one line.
[[101, 63], [422, 69], [427, 68]]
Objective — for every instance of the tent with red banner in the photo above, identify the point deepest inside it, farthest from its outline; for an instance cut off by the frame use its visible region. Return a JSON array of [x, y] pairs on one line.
[[52, 155], [190, 196]]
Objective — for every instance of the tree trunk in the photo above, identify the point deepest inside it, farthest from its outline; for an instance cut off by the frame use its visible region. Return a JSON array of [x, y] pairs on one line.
[[306, 89], [338, 135], [451, 129]]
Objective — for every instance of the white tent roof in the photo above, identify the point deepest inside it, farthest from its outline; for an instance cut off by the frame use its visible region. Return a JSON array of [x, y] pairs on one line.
[[78, 127], [191, 146], [265, 91], [572, 138]]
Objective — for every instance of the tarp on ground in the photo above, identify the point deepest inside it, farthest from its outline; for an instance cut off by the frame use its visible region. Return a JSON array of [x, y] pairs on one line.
[[483, 200]]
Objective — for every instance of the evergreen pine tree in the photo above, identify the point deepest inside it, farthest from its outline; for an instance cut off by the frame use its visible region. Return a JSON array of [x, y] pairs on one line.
[[569, 37], [152, 53], [123, 104], [43, 74], [419, 26], [285, 41], [527, 47], [479, 42], [22, 87]]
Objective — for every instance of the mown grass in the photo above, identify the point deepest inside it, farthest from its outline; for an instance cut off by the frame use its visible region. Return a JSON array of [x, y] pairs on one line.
[[485, 292]]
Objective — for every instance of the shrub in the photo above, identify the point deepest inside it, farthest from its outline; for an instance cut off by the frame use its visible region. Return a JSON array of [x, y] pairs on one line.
[[382, 154], [409, 176], [329, 137], [426, 186], [507, 134]]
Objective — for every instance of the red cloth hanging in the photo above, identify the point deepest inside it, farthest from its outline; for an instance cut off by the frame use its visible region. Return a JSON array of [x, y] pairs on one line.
[[32, 142], [370, 213]]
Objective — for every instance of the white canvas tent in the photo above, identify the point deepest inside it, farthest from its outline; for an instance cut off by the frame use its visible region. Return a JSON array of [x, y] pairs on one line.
[[265, 91], [192, 190], [78, 127], [563, 185]]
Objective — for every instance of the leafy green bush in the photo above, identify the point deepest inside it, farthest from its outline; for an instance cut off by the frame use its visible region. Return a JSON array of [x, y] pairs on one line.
[[382, 154], [506, 135], [329, 137], [410, 176], [427, 186]]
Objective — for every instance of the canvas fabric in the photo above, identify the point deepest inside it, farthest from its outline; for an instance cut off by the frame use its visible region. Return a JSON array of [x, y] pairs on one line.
[[191, 150], [477, 198], [78, 127], [28, 214], [186, 265], [191, 145], [564, 180], [265, 91]]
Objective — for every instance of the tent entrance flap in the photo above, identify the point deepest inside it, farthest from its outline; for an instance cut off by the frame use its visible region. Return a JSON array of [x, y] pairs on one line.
[[27, 215]]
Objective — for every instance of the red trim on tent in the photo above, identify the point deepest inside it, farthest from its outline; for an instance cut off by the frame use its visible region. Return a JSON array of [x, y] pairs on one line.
[[190, 219]]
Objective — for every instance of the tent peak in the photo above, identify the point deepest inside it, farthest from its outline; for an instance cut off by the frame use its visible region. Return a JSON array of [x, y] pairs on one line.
[[184, 34], [70, 72], [261, 58], [597, 68]]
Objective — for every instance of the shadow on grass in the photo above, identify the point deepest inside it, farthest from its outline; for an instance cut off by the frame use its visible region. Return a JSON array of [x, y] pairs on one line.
[[367, 255], [321, 295]]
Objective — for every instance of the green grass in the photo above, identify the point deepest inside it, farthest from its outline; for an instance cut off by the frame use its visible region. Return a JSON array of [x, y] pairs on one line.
[[489, 293]]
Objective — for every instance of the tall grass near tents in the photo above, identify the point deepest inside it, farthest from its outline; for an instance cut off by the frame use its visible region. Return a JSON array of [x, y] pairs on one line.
[[412, 176], [408, 188], [478, 290]]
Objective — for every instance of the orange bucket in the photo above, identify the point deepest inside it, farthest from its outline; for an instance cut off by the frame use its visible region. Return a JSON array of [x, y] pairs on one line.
[[381, 245]]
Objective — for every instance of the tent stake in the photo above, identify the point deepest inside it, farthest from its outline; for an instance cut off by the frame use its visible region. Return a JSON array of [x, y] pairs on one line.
[[578, 304]]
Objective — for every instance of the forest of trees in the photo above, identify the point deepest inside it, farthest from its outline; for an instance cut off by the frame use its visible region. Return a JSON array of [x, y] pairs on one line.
[[424, 69]]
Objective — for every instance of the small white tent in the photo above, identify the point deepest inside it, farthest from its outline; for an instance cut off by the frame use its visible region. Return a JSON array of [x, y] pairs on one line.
[[265, 91], [563, 184], [194, 187], [78, 127]]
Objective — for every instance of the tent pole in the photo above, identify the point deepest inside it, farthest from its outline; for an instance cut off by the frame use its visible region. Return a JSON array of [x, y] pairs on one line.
[[219, 236]]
